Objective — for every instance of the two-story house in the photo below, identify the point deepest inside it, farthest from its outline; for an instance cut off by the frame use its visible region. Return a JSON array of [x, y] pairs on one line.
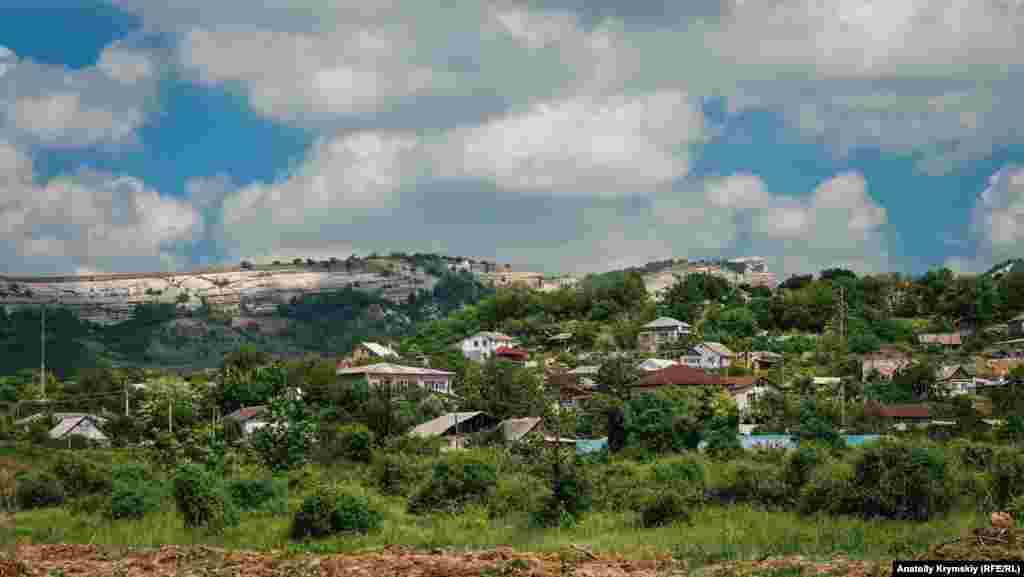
[[398, 378], [661, 331], [483, 345], [708, 355]]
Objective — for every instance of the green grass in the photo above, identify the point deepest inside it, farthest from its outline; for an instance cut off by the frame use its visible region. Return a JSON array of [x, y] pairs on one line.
[[716, 533]]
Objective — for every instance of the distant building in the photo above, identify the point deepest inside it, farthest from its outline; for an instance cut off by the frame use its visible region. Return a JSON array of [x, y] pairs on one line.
[[708, 355], [250, 419], [482, 345], [370, 350], [659, 332], [399, 378], [86, 426]]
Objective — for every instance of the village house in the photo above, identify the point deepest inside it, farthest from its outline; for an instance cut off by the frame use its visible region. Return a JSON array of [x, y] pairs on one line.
[[708, 355], [899, 416], [455, 427], [250, 419], [659, 332], [518, 430], [680, 375], [512, 355], [760, 361], [944, 340], [586, 374], [886, 362], [370, 350], [398, 378], [482, 345], [83, 426], [958, 379], [1015, 327], [651, 365], [746, 390]]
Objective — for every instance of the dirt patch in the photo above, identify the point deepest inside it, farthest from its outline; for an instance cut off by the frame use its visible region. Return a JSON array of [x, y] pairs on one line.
[[84, 560]]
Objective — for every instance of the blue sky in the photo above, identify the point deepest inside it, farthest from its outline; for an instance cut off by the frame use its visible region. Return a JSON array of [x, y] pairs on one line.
[[561, 136]]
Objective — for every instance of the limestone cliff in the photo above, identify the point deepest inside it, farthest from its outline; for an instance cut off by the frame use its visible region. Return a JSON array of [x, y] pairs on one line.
[[110, 298]]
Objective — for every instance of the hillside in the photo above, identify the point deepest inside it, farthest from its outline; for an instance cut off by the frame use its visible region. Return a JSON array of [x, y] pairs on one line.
[[190, 320]]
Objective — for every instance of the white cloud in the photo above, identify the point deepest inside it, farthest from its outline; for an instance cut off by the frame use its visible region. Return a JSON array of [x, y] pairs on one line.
[[126, 65], [53, 106], [998, 216], [290, 76], [93, 219], [612, 145], [341, 178], [52, 117]]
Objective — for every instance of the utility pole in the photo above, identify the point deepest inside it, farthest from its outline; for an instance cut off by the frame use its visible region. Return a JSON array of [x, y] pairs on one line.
[[42, 360], [843, 319]]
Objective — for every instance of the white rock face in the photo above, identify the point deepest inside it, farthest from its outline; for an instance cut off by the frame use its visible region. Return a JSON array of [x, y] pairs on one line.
[[109, 299]]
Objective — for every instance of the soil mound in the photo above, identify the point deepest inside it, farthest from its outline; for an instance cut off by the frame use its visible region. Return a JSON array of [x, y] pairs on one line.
[[1001, 541]]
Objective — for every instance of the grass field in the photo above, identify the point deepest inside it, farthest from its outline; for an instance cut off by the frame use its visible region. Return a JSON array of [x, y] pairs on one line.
[[715, 534]]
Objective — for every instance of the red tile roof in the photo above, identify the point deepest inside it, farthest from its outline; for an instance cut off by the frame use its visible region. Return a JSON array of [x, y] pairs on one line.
[[678, 375], [899, 411], [510, 352]]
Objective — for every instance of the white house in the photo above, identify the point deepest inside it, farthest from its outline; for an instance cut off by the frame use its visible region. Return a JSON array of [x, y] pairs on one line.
[[660, 331], [587, 374], [371, 350], [482, 345], [708, 355], [746, 390], [655, 364], [958, 380], [400, 377]]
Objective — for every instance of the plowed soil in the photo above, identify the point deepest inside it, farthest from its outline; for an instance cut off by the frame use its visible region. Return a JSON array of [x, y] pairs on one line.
[[87, 561]]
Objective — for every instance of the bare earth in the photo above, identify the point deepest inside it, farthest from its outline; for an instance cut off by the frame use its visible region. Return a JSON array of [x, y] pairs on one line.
[[87, 561]]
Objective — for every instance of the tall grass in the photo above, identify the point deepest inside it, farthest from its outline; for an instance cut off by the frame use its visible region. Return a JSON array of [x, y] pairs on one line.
[[716, 533]]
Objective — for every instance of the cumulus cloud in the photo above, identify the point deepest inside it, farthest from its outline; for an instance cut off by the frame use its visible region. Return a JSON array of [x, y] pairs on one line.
[[88, 218], [49, 105], [341, 178], [837, 224], [998, 216], [583, 145]]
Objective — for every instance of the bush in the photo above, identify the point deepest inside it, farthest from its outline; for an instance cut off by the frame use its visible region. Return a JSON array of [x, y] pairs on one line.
[[135, 492], [615, 485], [456, 480], [830, 489], [397, 474], [800, 465], [203, 499], [352, 442], [751, 482], [1016, 509], [665, 508], [901, 480], [1007, 470], [258, 494], [81, 477], [38, 491], [331, 511], [516, 493]]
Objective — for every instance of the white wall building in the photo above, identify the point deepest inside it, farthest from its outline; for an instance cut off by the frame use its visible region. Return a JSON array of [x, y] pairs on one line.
[[482, 345], [708, 355]]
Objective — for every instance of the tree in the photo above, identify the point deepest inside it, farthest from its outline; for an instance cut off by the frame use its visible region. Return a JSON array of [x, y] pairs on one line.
[[797, 282], [285, 442], [618, 376], [837, 273]]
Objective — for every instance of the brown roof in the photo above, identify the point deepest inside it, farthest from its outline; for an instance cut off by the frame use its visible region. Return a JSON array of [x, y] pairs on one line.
[[678, 375], [940, 338], [899, 411], [247, 413]]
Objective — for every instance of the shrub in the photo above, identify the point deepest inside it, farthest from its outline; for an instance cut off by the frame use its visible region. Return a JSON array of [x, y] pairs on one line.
[[516, 493], [258, 494], [35, 491], [901, 480], [135, 493], [456, 480], [79, 476], [800, 464], [203, 499], [751, 482], [1007, 470], [330, 511], [1016, 509], [664, 508], [974, 489], [355, 442], [615, 485], [397, 474], [830, 489], [7, 490]]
